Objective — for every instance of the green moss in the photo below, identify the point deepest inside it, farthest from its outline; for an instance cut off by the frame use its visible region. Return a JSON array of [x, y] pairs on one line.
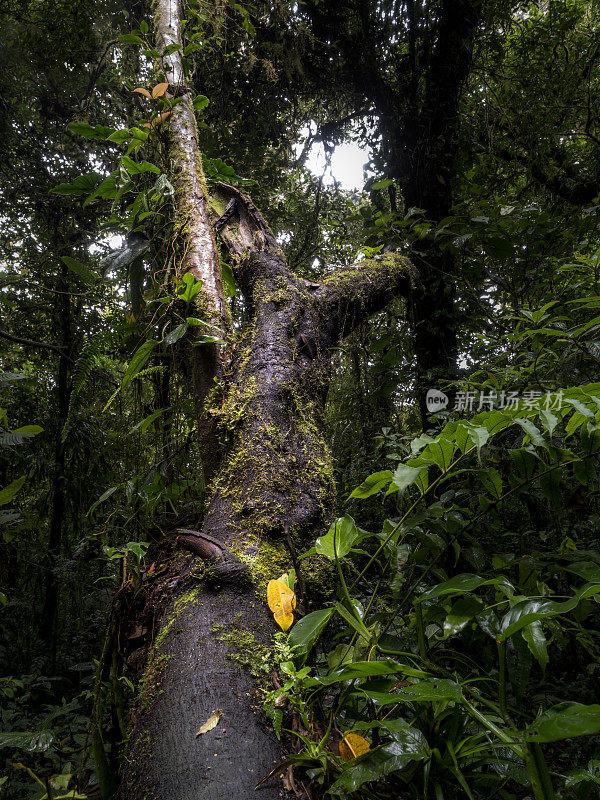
[[244, 649], [265, 560], [150, 684]]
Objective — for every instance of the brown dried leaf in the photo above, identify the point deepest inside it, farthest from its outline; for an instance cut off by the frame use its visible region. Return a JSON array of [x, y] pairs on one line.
[[210, 723], [159, 90], [145, 92]]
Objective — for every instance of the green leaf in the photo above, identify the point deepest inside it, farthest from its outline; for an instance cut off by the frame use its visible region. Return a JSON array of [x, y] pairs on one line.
[[379, 762], [306, 632], [200, 102], [427, 691], [207, 339], [532, 432], [441, 452], [130, 38], [492, 481], [7, 494], [536, 642], [360, 669], [463, 610], [89, 131], [382, 184], [81, 185], [171, 48], [344, 532], [83, 272], [145, 423], [139, 359], [29, 430], [564, 721], [403, 477], [138, 167], [102, 498], [176, 334], [527, 611], [373, 484], [465, 582], [353, 621], [37, 742], [188, 287]]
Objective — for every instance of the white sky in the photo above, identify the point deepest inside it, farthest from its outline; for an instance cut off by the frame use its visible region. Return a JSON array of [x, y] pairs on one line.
[[347, 164]]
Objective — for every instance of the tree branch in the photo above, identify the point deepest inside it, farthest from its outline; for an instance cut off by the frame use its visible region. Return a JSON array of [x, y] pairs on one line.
[[31, 343], [344, 299]]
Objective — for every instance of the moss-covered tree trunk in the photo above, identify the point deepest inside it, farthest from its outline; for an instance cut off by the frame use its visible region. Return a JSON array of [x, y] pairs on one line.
[[273, 494]]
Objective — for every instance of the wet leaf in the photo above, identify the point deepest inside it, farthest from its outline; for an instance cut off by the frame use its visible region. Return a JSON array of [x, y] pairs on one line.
[[563, 722], [352, 746], [282, 602], [307, 631], [210, 723]]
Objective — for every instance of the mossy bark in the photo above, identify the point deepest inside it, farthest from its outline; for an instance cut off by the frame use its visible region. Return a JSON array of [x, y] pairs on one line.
[[273, 494]]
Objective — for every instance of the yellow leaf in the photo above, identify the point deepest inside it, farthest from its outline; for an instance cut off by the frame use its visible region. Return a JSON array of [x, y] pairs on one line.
[[283, 618], [210, 723], [282, 602], [145, 92], [280, 596], [159, 90], [352, 746]]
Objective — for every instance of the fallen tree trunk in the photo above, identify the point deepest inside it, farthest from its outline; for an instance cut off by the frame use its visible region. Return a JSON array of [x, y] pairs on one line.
[[273, 494]]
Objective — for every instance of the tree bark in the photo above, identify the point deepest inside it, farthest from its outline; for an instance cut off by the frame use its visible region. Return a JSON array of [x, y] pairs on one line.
[[272, 495], [198, 252]]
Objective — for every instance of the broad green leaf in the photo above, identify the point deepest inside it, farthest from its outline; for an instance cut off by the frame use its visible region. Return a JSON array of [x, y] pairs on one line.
[[549, 420], [466, 582], [461, 613], [37, 742], [136, 168], [528, 611], [373, 484], [8, 493], [81, 185], [176, 334], [492, 481], [188, 287], [345, 534], [423, 692], [29, 430], [377, 763], [441, 452], [89, 131], [360, 669], [200, 102], [531, 431], [130, 38], [536, 642], [83, 272], [138, 360], [306, 632], [564, 721], [403, 477]]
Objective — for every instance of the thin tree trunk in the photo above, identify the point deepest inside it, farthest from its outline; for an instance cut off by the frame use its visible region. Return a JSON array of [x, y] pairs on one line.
[[47, 628], [197, 245], [272, 495]]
